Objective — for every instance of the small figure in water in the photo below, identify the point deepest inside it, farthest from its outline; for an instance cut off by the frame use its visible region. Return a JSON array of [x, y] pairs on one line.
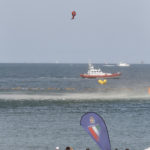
[[57, 148], [87, 149], [69, 148]]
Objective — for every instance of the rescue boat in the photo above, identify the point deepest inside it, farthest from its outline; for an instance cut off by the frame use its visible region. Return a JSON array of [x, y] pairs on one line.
[[97, 73]]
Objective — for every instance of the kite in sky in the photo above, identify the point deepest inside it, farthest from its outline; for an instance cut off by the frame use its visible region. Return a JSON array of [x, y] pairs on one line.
[[73, 14]]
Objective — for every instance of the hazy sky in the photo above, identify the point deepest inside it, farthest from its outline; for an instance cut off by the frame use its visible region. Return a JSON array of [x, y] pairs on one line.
[[103, 31]]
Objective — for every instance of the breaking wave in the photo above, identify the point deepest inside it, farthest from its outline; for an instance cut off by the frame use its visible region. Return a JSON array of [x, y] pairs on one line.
[[75, 96]]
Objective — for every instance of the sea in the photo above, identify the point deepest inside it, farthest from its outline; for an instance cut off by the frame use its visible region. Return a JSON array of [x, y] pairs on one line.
[[41, 106]]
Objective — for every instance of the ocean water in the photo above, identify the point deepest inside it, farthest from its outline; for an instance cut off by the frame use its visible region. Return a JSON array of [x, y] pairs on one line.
[[41, 106]]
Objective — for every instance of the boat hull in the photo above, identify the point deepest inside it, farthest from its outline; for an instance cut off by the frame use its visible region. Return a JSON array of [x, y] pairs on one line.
[[114, 75]]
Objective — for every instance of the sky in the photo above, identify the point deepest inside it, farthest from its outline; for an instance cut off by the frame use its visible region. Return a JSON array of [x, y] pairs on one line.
[[103, 31]]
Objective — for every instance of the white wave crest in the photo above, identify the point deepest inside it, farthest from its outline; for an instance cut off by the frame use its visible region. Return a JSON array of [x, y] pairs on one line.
[[147, 148], [73, 96]]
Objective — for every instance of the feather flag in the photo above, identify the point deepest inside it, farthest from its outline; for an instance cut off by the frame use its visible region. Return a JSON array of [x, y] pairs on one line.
[[96, 128]]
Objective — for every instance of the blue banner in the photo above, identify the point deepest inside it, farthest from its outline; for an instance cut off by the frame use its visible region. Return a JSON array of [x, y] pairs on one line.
[[96, 128]]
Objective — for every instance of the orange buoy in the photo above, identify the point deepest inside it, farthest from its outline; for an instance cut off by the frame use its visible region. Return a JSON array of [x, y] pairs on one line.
[[149, 90]]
